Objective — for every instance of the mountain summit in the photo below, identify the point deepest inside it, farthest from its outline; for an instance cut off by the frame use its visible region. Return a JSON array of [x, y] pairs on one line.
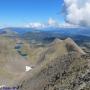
[[71, 45]]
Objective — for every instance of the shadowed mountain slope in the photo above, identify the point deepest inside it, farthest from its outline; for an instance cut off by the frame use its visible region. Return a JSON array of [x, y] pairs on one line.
[[71, 45]]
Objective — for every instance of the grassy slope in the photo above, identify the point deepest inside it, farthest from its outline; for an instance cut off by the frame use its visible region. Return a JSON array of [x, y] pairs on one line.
[[12, 65]]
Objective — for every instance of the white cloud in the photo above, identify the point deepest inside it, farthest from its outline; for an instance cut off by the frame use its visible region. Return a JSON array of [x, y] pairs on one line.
[[50, 23], [35, 25], [78, 12], [68, 25]]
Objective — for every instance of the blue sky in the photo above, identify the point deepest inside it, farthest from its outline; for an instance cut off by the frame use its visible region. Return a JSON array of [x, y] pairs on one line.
[[20, 12]]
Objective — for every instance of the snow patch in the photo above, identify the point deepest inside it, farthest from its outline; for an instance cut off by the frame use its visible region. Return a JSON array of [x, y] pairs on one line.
[[28, 68], [1, 86]]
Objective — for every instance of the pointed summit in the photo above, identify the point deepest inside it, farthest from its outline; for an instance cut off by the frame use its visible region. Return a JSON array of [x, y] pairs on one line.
[[72, 46], [57, 41]]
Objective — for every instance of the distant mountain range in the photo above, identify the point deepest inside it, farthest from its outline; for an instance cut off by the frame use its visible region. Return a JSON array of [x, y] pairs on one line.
[[47, 35]]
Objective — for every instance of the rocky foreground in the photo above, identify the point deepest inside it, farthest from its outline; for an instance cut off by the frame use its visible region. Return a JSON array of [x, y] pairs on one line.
[[69, 72], [60, 65], [69, 69]]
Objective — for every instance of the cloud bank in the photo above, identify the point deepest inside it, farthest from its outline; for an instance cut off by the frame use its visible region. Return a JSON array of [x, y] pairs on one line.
[[77, 12], [35, 25], [50, 23]]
